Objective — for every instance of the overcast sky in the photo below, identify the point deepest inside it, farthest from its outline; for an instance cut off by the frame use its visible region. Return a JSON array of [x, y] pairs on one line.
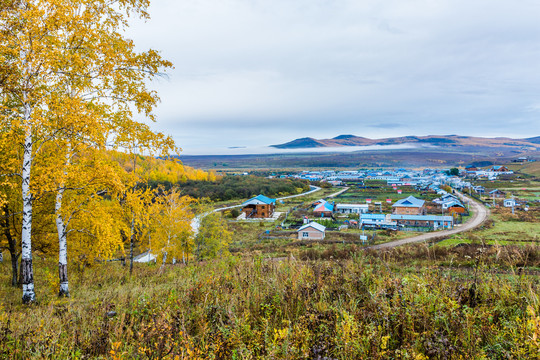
[[262, 72]]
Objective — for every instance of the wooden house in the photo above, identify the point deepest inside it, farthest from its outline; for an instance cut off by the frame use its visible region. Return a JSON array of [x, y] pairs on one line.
[[259, 207], [454, 206], [499, 168]]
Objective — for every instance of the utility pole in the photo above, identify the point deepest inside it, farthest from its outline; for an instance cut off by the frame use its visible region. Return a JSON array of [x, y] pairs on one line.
[[513, 204]]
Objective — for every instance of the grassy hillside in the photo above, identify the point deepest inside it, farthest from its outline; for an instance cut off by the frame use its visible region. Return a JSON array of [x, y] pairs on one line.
[[410, 303], [532, 168]]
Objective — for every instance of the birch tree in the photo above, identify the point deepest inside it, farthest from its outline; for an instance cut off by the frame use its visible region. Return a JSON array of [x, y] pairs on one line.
[[70, 49], [213, 238], [172, 234]]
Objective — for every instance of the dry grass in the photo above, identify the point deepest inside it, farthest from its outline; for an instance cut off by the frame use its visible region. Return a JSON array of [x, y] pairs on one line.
[[363, 306]]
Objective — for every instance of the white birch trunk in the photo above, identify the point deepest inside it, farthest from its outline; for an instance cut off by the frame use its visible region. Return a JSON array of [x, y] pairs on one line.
[[27, 271], [62, 245], [62, 236]]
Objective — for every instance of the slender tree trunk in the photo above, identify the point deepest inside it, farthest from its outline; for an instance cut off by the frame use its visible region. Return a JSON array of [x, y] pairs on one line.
[[62, 245], [131, 243], [62, 234], [27, 273], [14, 270], [12, 247]]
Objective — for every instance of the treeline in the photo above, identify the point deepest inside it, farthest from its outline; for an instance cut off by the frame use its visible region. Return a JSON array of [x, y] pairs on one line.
[[74, 91], [165, 172], [241, 187]]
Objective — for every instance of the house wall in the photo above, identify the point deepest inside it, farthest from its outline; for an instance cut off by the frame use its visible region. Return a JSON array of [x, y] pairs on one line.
[[457, 210], [398, 210], [263, 211], [312, 234], [322, 214], [423, 223]]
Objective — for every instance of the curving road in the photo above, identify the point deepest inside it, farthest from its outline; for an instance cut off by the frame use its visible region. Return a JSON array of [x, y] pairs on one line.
[[481, 214], [196, 222]]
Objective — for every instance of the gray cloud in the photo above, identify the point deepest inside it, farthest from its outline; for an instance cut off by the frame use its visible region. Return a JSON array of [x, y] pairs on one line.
[[261, 72]]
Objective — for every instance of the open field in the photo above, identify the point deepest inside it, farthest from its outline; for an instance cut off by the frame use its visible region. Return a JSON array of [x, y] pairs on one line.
[[504, 229], [351, 305], [530, 168]]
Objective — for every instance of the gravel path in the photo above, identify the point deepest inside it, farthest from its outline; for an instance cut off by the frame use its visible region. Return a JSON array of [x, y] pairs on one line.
[[481, 214]]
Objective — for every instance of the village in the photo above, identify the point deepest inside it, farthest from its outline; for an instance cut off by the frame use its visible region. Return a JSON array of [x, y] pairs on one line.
[[381, 202]]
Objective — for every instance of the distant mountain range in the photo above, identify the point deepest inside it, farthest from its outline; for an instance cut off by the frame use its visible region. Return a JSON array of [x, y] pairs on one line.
[[453, 141]]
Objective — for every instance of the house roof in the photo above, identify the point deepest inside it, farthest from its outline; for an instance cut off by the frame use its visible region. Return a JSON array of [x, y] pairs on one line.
[[496, 191], [259, 200], [422, 217], [453, 203], [314, 225], [351, 206], [372, 217], [325, 206], [411, 201], [449, 196], [144, 257]]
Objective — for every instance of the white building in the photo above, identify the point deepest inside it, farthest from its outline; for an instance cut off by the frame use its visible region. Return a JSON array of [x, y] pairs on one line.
[[352, 208]]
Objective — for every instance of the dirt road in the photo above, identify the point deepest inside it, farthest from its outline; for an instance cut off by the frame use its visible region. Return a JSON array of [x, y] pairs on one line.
[[480, 215]]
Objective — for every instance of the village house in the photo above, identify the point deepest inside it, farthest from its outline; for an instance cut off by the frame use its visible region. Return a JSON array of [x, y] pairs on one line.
[[379, 221], [311, 231], [454, 206], [324, 209], [479, 189], [409, 206], [445, 198], [499, 168], [352, 208], [259, 207], [497, 194], [425, 221], [509, 202]]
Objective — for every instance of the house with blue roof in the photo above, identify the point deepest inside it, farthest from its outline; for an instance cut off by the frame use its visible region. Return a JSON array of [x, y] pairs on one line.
[[378, 221], [424, 221], [259, 207], [409, 206]]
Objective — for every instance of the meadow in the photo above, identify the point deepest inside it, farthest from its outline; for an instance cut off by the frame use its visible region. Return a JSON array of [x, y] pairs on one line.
[[503, 228], [409, 303]]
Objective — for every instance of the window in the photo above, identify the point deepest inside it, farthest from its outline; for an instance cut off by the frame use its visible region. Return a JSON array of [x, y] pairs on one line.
[[305, 234]]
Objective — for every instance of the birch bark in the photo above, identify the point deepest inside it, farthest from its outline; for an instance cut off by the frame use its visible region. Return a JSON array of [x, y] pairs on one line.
[[27, 270], [62, 236]]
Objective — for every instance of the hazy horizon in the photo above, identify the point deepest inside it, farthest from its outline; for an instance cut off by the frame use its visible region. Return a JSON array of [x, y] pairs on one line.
[[247, 71]]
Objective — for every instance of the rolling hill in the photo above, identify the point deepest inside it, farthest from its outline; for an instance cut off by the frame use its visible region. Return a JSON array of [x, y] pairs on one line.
[[453, 141]]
